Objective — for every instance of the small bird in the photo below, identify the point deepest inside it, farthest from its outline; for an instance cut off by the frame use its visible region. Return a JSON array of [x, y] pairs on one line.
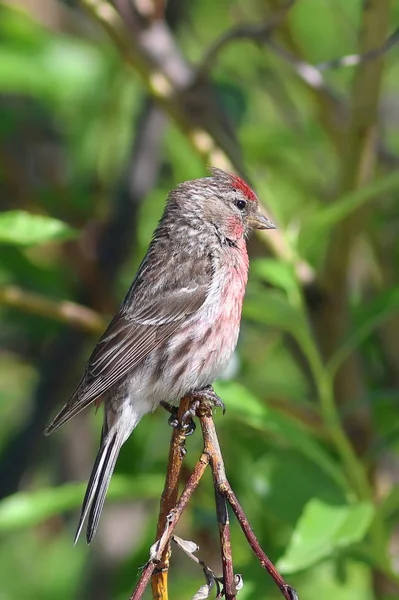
[[178, 325]]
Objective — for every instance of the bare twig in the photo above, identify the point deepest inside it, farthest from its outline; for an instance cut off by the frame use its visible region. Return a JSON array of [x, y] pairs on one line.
[[262, 33], [160, 551], [225, 546], [266, 563], [211, 444], [257, 32], [223, 488], [188, 100], [159, 547], [159, 580], [73, 314], [351, 60]]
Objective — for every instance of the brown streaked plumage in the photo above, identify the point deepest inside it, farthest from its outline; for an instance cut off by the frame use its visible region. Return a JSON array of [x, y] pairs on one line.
[[178, 325]]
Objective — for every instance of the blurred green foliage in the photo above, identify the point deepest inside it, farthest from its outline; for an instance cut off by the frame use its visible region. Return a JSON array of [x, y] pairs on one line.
[[70, 111]]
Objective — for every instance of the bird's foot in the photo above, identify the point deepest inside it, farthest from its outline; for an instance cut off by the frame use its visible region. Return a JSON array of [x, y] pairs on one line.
[[202, 400], [205, 398], [207, 395], [186, 424]]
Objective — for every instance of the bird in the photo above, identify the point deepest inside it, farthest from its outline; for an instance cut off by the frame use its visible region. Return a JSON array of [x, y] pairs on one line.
[[178, 326]]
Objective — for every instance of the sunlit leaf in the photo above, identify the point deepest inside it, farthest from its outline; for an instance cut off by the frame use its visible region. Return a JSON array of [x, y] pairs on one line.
[[272, 308], [21, 228], [276, 272], [355, 584], [245, 406], [368, 317], [25, 509], [317, 227], [322, 530]]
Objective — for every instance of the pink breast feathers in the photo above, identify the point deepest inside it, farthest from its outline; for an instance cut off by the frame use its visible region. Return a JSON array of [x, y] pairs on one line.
[[236, 281]]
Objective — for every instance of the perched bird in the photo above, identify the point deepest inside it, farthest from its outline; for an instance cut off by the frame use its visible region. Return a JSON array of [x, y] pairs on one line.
[[178, 325]]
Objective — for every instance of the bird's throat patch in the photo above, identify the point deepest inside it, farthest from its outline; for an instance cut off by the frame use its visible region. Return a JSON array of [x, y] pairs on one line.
[[235, 228]]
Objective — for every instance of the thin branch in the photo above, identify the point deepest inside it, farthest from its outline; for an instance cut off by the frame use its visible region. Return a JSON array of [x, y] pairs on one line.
[[311, 75], [159, 580], [211, 445], [257, 32], [225, 546], [190, 102], [264, 560], [159, 547], [223, 487], [160, 552], [262, 33], [351, 60], [73, 314]]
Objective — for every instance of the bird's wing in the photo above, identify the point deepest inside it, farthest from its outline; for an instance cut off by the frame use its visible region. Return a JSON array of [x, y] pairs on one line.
[[153, 316]]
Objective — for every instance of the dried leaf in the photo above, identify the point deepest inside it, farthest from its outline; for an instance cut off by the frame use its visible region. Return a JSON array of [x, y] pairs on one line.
[[239, 582], [186, 545], [204, 592]]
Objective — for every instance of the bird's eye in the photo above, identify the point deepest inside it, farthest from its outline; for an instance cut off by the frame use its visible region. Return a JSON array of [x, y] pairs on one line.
[[240, 204]]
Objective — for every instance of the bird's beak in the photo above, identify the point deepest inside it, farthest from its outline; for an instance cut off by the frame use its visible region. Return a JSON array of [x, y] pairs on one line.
[[259, 221]]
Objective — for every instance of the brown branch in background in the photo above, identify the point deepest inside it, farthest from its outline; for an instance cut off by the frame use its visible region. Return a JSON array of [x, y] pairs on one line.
[[352, 60], [73, 314], [257, 32], [150, 48], [262, 33], [160, 551], [312, 76], [57, 359], [333, 110], [332, 320]]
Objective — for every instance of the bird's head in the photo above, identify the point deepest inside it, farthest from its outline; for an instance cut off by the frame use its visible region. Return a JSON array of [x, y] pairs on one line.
[[224, 200]]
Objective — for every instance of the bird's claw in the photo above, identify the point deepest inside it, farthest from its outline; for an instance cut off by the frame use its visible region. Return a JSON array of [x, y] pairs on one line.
[[173, 420], [186, 424], [187, 418], [207, 395]]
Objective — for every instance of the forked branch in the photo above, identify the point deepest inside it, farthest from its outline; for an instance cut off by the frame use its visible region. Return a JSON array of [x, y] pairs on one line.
[[172, 507]]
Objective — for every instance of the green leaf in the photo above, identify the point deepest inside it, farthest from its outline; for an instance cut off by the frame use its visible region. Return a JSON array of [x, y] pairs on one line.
[[276, 272], [352, 581], [321, 530], [26, 509], [272, 308], [368, 317], [390, 505], [244, 405], [21, 228], [319, 225], [342, 208]]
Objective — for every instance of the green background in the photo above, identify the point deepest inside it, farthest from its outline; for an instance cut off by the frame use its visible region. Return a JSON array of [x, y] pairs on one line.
[[92, 138]]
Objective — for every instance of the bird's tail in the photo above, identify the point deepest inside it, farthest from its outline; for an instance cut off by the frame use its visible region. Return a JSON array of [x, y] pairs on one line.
[[97, 487]]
